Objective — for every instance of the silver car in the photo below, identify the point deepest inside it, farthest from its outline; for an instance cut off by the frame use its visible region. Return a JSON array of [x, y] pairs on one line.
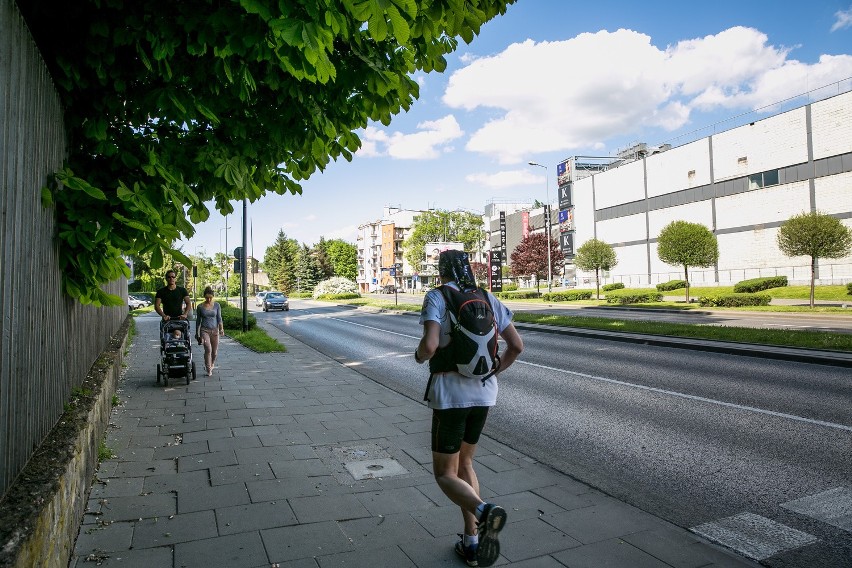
[[275, 301], [258, 300]]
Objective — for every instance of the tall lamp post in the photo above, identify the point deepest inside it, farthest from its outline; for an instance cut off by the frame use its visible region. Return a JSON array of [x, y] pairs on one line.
[[225, 255], [546, 224]]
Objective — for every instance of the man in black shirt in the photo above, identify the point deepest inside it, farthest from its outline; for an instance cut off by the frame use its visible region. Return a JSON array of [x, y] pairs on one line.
[[172, 301]]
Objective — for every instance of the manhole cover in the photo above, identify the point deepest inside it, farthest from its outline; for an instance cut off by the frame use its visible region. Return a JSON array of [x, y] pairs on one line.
[[368, 469]]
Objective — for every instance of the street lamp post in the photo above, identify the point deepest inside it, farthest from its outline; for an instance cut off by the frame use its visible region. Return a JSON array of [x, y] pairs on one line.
[[226, 256], [546, 224]]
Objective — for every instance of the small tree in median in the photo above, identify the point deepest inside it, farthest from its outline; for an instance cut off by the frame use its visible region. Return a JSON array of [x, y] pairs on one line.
[[686, 244], [816, 235], [530, 257], [595, 255]]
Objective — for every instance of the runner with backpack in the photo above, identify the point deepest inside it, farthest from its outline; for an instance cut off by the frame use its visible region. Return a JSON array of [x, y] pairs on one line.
[[461, 325]]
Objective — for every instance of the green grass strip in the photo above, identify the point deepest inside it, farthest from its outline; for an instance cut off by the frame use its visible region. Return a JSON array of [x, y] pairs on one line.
[[785, 338], [257, 340]]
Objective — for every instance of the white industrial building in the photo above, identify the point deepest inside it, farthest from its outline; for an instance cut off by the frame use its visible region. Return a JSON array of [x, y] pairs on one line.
[[742, 184]]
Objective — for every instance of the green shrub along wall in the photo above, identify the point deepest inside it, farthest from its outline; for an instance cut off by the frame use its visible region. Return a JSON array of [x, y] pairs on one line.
[[734, 300], [671, 285], [631, 297], [759, 284]]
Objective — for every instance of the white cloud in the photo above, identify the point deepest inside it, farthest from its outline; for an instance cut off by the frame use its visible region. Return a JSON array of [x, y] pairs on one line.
[[578, 93], [843, 21], [432, 139], [507, 178]]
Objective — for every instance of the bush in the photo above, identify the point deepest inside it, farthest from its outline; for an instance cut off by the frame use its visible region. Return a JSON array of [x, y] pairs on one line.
[[613, 286], [631, 297], [518, 295], [734, 300], [567, 296], [232, 318], [344, 296], [758, 284], [849, 288], [336, 286], [301, 295], [510, 287], [671, 285]]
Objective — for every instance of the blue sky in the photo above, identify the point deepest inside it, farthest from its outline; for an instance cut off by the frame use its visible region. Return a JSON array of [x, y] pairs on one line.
[[553, 79]]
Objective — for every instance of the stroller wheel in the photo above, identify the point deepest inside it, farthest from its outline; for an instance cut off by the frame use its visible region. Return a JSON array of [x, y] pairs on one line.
[[193, 371], [159, 373]]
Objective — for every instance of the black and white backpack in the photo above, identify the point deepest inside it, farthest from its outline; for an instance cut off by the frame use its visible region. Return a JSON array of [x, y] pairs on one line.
[[473, 347]]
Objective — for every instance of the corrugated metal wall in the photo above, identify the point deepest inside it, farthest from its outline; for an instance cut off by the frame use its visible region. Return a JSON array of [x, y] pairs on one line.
[[48, 343]]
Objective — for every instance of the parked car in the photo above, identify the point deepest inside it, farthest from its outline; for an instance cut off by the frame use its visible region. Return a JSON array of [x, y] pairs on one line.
[[145, 301], [275, 301], [135, 303], [258, 300], [388, 289]]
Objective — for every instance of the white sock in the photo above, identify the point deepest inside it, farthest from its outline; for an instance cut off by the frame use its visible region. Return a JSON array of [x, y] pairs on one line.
[[471, 539]]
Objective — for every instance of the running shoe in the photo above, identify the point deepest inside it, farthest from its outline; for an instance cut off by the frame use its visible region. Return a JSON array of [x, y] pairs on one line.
[[467, 552], [491, 522]]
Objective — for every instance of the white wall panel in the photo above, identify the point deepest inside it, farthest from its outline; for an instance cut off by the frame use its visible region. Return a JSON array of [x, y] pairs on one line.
[[620, 185], [699, 212], [623, 229], [834, 193], [669, 171], [767, 144], [831, 121], [777, 203], [584, 211]]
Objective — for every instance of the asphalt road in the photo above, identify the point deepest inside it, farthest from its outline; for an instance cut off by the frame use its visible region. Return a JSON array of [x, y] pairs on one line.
[[690, 436], [836, 323]]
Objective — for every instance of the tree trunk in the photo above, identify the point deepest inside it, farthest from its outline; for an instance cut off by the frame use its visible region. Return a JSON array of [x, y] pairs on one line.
[[686, 277], [598, 283], [813, 278]]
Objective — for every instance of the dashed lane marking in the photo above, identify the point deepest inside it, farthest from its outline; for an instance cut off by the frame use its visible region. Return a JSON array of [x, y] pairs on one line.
[[754, 536], [833, 507]]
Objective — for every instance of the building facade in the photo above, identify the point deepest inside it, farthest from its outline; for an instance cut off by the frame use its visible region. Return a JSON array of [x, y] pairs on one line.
[[380, 256], [742, 184]]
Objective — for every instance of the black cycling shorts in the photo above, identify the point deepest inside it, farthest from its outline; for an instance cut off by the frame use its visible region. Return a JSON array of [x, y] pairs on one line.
[[451, 426]]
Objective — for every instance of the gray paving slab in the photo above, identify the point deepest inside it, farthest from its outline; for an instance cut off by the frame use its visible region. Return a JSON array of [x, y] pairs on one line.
[[299, 468], [388, 501], [137, 507], [305, 541], [255, 516], [530, 538], [113, 537], [187, 527], [387, 556], [205, 497], [681, 549], [206, 461], [147, 558], [106, 487], [603, 521], [240, 473], [243, 550], [615, 553], [327, 508], [176, 481], [275, 489], [179, 450]]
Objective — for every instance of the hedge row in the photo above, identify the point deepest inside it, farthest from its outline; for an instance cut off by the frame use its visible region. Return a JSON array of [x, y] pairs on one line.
[[510, 287], [734, 300], [518, 295], [613, 286], [671, 285], [350, 296], [631, 297], [567, 296], [758, 284], [301, 294]]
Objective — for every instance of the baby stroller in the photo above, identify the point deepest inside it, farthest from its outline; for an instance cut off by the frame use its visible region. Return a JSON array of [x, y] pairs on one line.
[[175, 353]]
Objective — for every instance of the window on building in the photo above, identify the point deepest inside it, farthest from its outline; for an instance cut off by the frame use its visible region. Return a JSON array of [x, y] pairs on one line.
[[763, 179]]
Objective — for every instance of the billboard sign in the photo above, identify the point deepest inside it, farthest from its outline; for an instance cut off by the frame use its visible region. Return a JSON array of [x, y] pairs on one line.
[[525, 224], [566, 196], [503, 232], [433, 250], [495, 270], [566, 242], [566, 220], [563, 172]]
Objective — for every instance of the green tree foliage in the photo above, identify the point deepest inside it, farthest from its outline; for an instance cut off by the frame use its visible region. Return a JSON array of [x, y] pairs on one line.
[[308, 273], [442, 226], [344, 258], [686, 244], [279, 261], [596, 255], [320, 251], [530, 257], [816, 235], [170, 105]]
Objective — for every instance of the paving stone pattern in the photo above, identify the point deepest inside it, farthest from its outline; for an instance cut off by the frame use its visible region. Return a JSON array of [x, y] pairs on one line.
[[248, 469]]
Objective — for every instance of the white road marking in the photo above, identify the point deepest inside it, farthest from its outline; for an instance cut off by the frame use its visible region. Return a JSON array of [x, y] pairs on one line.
[[754, 536], [833, 507], [648, 388]]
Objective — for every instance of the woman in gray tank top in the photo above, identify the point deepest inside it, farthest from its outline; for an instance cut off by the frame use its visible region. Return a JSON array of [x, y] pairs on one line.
[[208, 328]]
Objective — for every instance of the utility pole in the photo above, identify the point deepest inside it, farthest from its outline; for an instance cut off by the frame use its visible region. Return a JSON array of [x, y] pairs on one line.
[[546, 225]]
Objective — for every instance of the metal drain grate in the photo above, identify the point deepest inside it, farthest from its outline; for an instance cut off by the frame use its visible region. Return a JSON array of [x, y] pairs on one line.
[[369, 469]]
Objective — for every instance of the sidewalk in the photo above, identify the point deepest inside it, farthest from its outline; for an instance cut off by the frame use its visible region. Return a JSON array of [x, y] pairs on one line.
[[296, 460]]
